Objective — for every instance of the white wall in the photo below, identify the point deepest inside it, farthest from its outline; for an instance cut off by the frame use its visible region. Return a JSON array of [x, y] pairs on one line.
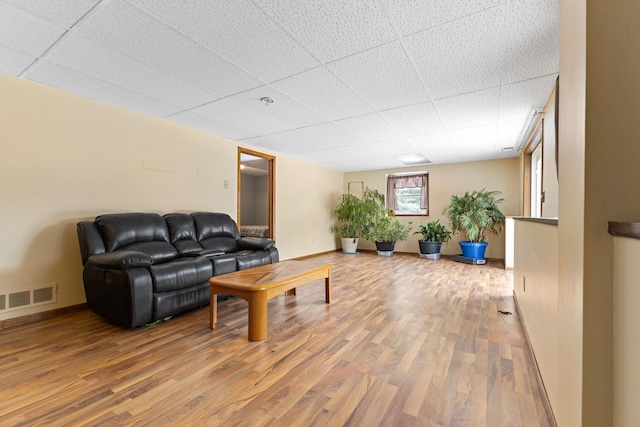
[[67, 158]]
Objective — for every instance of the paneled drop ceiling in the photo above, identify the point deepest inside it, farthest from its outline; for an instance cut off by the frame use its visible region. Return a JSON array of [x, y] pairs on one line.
[[355, 84]]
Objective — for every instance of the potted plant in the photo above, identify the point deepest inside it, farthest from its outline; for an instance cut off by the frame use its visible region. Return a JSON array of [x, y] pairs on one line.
[[355, 217], [386, 231], [433, 235], [476, 214]]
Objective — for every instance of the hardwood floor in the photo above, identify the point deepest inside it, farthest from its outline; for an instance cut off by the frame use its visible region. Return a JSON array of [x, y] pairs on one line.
[[405, 342]]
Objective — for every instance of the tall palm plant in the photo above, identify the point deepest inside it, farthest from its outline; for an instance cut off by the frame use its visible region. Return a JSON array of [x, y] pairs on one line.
[[476, 214]]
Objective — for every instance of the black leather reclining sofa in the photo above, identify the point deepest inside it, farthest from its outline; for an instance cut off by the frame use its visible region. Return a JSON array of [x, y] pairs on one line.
[[143, 267]]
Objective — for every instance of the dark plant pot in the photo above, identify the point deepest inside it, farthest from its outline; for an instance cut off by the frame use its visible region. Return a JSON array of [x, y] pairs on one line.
[[385, 248], [473, 250], [429, 247]]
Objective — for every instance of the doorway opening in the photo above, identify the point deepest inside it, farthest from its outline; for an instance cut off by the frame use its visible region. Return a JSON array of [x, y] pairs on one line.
[[256, 193]]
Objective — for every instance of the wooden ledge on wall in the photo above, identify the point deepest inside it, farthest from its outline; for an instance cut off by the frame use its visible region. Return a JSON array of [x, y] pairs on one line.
[[625, 229]]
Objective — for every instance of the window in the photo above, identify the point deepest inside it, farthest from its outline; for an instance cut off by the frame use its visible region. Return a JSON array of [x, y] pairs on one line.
[[408, 194]]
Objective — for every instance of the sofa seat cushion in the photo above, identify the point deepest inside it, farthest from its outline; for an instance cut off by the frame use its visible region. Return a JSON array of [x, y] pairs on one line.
[[223, 264], [180, 273], [249, 259], [160, 252], [221, 243]]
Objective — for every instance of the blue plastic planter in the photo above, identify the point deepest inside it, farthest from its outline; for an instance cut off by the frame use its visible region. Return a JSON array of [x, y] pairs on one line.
[[473, 250]]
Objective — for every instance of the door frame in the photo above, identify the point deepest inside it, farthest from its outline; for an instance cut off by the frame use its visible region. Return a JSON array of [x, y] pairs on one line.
[[272, 186]]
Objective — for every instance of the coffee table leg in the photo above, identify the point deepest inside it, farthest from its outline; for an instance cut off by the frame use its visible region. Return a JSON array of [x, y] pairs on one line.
[[327, 287], [213, 310], [257, 316]]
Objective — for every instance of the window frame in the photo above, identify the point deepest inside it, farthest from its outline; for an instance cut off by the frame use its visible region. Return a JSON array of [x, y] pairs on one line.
[[425, 176]]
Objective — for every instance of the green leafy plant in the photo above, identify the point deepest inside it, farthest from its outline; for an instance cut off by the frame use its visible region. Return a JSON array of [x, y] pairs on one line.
[[356, 215], [389, 229], [476, 214], [433, 231]]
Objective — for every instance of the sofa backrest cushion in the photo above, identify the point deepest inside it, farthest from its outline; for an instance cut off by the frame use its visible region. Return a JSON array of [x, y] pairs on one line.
[[182, 233], [216, 231], [143, 232], [209, 224]]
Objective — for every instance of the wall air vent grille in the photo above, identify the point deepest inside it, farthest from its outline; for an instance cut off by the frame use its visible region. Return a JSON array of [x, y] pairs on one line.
[[19, 299], [28, 298], [42, 295]]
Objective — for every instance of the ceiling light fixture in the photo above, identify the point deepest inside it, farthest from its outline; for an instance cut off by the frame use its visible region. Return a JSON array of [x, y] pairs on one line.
[[413, 159], [266, 100]]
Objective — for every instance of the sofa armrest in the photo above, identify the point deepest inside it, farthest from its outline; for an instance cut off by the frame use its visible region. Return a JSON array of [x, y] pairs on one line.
[[255, 243], [120, 260]]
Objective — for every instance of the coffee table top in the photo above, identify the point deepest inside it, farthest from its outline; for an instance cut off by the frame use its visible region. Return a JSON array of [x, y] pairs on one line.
[[270, 275]]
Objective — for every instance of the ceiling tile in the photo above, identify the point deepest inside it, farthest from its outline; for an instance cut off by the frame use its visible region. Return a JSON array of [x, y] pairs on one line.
[[207, 124], [437, 147], [391, 80], [511, 133], [14, 62], [476, 143], [462, 56], [473, 109], [283, 108], [364, 151], [26, 33], [332, 29], [370, 128], [238, 31], [98, 61], [518, 100], [127, 30], [82, 84], [324, 156], [297, 141], [395, 147], [332, 135], [61, 12], [267, 142], [534, 40], [241, 117], [323, 92], [416, 119], [411, 16]]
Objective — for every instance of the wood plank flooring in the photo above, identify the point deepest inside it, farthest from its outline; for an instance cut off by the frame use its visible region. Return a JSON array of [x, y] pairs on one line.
[[405, 342]]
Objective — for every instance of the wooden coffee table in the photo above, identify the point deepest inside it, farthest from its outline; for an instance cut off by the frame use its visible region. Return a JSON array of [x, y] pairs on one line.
[[258, 285]]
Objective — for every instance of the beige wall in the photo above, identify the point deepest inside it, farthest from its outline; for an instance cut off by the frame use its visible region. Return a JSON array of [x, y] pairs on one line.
[[67, 158], [445, 181], [626, 318], [599, 104], [571, 212], [535, 279]]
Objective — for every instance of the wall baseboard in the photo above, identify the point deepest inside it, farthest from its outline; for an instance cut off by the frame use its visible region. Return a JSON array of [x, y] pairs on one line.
[[36, 317], [532, 356]]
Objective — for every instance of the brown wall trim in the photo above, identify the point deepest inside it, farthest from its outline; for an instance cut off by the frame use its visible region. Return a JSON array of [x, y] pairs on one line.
[[547, 221], [625, 229], [532, 357], [36, 317]]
